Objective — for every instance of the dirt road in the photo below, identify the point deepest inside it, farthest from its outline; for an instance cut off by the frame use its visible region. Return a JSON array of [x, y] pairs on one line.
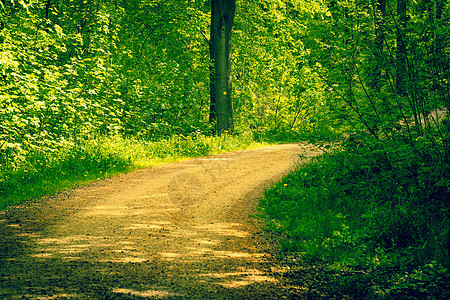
[[179, 231]]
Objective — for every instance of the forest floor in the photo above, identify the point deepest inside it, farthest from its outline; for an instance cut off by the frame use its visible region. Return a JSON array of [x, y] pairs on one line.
[[185, 230]]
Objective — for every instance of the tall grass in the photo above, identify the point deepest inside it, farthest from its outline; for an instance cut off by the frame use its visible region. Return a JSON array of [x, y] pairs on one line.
[[380, 206], [40, 173]]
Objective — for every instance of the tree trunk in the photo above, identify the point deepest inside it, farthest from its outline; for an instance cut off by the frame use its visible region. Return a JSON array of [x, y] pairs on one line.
[[47, 9], [212, 106], [380, 12], [222, 19], [402, 70]]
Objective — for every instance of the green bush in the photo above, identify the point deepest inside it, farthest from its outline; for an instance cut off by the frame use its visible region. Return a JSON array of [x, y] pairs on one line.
[[42, 172], [376, 204]]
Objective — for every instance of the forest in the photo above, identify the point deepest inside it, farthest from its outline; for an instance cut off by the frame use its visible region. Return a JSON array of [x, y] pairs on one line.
[[94, 88]]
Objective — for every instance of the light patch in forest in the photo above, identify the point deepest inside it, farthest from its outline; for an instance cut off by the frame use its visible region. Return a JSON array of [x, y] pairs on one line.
[[14, 225], [242, 278], [110, 211], [144, 226], [224, 229], [205, 241], [231, 254], [59, 296], [247, 281], [148, 293], [169, 255]]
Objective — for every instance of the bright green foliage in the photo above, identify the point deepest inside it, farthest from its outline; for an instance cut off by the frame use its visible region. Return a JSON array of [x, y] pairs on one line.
[[52, 89], [354, 50], [275, 90], [79, 68], [165, 59], [373, 207], [379, 200], [75, 69]]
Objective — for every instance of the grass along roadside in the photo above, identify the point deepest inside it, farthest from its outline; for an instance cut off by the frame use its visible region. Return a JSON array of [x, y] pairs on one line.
[[43, 173], [374, 216]]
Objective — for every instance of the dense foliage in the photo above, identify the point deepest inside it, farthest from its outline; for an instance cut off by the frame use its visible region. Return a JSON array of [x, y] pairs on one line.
[[367, 80], [378, 228], [377, 203], [78, 70], [73, 69]]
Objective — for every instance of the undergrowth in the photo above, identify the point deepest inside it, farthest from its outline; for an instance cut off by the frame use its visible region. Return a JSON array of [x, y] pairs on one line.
[[374, 212], [39, 173]]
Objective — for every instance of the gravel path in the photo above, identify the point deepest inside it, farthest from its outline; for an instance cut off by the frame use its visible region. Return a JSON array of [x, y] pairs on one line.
[[178, 231]]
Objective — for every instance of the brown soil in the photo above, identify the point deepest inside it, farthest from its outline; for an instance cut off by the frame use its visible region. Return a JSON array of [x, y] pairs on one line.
[[180, 231]]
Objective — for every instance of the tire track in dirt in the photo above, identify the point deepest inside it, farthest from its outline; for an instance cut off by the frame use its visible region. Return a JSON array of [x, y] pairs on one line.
[[178, 231]]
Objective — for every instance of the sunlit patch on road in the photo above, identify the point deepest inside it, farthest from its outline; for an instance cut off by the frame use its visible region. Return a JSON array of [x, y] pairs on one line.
[[242, 278], [169, 255], [149, 293]]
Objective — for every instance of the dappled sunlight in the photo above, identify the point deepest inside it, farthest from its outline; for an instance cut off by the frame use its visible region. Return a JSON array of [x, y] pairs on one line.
[[161, 240], [148, 293], [225, 229], [41, 255], [125, 260], [144, 226], [231, 254], [248, 280], [29, 234], [67, 239], [205, 241], [126, 243], [3, 220], [110, 211], [203, 244], [139, 242], [144, 235], [13, 225], [63, 246], [169, 255], [59, 296], [241, 278]]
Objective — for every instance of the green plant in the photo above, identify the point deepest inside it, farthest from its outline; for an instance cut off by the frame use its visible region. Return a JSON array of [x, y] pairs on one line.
[[374, 204]]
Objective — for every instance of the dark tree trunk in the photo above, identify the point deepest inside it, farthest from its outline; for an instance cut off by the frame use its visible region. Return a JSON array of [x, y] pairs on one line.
[[47, 9], [380, 12], [212, 106], [402, 70], [222, 19]]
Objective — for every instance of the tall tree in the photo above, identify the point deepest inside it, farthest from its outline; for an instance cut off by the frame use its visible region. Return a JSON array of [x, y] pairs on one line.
[[380, 13], [222, 19], [402, 70]]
